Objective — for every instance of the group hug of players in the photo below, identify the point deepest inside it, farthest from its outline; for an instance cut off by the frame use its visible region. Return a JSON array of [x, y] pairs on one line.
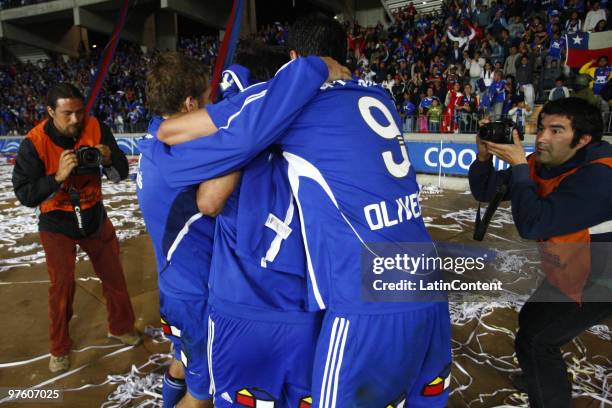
[[255, 207]]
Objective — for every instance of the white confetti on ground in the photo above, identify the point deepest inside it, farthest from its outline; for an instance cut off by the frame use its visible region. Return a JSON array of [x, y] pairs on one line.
[[141, 386], [18, 224]]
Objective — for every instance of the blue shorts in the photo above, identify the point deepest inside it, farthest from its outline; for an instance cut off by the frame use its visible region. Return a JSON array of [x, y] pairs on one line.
[[184, 324], [384, 360], [261, 363]]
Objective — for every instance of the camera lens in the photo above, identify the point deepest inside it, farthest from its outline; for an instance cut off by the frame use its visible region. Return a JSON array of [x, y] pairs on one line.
[[90, 156]]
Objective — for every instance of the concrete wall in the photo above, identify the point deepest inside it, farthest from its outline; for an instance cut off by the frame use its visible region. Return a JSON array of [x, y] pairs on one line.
[[370, 17]]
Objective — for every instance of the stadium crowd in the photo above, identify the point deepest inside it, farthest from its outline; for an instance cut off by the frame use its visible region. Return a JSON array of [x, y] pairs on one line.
[[445, 69], [121, 105]]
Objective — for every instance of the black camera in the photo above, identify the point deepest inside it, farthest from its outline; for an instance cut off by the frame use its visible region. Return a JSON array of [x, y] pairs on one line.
[[88, 157], [498, 132]]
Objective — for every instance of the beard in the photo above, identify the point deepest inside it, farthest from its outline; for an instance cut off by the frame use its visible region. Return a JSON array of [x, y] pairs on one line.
[[73, 131]]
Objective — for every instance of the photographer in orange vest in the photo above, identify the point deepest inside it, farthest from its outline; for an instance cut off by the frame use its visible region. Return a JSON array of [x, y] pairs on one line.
[[561, 197], [58, 169]]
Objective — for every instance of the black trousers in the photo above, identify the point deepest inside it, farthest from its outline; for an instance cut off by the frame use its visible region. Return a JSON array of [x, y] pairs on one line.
[[547, 321]]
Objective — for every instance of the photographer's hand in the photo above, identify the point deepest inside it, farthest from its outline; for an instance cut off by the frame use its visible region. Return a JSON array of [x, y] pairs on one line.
[[513, 154], [67, 162], [106, 154]]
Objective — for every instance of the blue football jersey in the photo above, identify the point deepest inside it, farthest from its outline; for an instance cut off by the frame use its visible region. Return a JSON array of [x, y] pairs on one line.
[[347, 165], [258, 267], [351, 175], [181, 235]]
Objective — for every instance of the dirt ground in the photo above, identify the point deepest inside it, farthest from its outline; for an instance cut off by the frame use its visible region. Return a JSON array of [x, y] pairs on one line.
[[113, 375]]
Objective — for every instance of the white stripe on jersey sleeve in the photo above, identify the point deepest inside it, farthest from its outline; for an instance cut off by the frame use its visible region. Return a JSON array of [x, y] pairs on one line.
[[182, 234], [247, 101]]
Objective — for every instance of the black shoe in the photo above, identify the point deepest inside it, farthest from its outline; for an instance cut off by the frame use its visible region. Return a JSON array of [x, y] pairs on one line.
[[519, 382]]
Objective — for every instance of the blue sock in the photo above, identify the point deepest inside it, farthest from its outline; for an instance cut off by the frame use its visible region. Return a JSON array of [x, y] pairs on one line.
[[172, 390]]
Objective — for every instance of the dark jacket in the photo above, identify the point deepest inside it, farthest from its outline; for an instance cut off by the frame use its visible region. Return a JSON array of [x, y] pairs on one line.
[[581, 201], [32, 187]]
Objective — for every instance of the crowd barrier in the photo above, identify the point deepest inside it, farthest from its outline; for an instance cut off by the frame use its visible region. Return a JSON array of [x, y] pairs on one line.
[[449, 154]]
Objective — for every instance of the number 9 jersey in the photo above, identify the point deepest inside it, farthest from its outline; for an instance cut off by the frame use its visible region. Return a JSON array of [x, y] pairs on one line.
[[351, 177]]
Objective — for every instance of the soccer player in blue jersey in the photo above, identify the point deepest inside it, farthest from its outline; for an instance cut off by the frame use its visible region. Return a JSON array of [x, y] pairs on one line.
[[353, 184], [181, 235], [261, 335]]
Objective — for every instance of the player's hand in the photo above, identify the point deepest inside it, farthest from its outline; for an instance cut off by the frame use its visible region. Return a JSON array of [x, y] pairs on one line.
[[106, 154], [67, 162], [336, 71], [513, 154]]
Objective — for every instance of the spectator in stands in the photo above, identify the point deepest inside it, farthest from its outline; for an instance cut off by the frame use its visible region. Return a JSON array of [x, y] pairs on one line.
[[510, 63], [408, 110], [455, 56], [481, 14], [557, 48], [497, 51], [463, 38], [601, 26], [599, 75], [560, 91], [498, 23], [498, 93], [519, 114], [467, 107], [524, 78], [119, 123], [516, 28], [487, 74], [594, 16], [450, 121], [475, 67], [573, 25], [434, 114]]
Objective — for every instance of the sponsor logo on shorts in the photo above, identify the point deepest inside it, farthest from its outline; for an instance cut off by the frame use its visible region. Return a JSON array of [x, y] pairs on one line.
[[254, 398], [305, 402], [398, 403], [169, 330], [439, 384]]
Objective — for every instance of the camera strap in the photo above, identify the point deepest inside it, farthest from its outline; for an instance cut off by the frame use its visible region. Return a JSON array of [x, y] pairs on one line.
[[481, 224], [75, 200]]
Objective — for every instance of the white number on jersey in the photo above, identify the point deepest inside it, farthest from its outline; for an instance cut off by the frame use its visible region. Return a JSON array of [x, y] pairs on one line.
[[389, 132]]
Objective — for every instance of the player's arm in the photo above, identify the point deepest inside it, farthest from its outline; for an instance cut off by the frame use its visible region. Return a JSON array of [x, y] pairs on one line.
[[586, 69], [213, 194], [262, 117], [192, 125], [198, 123]]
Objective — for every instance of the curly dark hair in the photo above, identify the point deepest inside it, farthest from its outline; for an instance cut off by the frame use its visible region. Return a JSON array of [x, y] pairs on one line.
[[585, 118], [172, 77]]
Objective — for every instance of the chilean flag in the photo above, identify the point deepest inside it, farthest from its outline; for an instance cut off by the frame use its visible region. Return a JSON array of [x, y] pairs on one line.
[[585, 47]]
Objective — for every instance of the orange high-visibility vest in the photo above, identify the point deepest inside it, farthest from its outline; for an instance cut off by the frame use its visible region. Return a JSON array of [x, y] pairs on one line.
[[566, 259], [88, 186]]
